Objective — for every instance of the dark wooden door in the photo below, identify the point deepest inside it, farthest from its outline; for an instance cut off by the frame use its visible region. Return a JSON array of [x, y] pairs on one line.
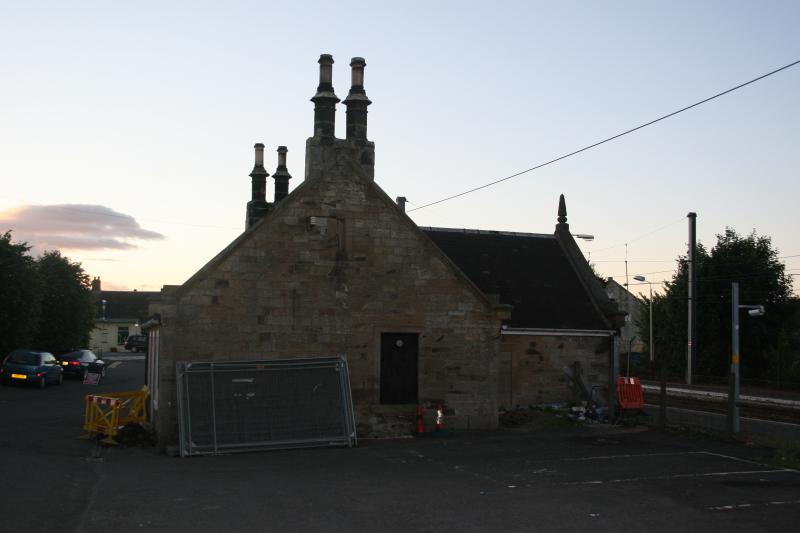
[[399, 353]]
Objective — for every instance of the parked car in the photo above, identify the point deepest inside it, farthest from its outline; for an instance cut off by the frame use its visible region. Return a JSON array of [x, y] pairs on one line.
[[78, 362], [28, 366], [136, 343]]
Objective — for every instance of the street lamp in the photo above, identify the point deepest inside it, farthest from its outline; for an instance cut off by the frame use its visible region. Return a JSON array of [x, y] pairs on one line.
[[733, 394], [663, 365], [642, 279], [630, 346]]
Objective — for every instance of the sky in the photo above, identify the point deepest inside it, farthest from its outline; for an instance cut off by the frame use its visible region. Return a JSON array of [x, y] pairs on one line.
[[127, 129]]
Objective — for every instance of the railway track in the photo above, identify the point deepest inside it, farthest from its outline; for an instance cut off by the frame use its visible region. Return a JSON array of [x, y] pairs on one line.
[[747, 408]]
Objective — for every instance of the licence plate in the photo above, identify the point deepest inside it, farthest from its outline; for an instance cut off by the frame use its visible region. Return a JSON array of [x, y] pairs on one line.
[[65, 363], [19, 376]]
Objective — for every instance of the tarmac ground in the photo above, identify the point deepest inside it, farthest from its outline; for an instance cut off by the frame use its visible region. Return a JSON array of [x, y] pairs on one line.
[[541, 477]]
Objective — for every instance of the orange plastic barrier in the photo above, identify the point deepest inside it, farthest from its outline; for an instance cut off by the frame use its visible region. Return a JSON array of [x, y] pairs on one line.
[[629, 393], [106, 414], [101, 416]]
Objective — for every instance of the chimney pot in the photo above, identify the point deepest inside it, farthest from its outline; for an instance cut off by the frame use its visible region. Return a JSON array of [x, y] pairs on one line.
[[281, 176], [401, 201], [325, 100], [259, 154], [325, 72], [357, 72], [257, 207], [357, 102]]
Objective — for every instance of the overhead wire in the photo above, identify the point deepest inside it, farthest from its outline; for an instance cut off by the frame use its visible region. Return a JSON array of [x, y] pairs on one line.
[[608, 139]]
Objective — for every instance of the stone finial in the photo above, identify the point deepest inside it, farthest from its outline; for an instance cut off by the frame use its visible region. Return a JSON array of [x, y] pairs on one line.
[[562, 210], [325, 100], [257, 207], [357, 102], [281, 176]]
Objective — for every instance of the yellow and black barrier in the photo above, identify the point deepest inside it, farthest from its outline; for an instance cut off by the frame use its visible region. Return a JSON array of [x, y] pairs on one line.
[[106, 413]]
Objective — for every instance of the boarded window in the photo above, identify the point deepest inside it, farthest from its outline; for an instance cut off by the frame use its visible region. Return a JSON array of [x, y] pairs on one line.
[[399, 352]]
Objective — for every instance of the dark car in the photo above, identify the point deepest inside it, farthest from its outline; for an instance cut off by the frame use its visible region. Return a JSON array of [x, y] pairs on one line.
[[78, 362], [136, 343], [28, 366]]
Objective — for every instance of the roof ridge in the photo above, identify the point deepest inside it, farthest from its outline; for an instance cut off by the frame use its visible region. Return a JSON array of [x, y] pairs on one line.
[[488, 232]]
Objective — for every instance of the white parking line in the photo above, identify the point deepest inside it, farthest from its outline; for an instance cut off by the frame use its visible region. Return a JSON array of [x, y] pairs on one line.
[[627, 456], [748, 505], [676, 476], [732, 458], [115, 364]]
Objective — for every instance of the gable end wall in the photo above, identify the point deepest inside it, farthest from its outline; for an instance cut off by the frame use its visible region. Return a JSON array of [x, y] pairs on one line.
[[293, 288]]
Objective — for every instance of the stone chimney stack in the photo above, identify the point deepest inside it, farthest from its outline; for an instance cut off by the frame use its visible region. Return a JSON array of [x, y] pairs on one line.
[[281, 176], [257, 207], [357, 102], [325, 100]]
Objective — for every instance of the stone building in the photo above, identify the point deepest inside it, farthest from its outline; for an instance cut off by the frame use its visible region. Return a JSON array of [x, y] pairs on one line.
[[118, 315], [631, 338], [337, 268], [560, 315]]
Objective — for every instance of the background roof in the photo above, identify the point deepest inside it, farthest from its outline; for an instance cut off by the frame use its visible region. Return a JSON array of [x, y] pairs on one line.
[[529, 271]]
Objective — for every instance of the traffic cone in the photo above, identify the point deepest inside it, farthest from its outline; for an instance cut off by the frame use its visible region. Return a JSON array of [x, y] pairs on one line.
[[420, 421], [440, 419]]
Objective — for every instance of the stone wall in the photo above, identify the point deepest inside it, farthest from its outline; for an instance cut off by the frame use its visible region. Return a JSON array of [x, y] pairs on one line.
[[333, 266], [530, 368]]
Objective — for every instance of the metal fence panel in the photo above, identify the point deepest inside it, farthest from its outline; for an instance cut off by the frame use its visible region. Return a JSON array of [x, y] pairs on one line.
[[229, 407]]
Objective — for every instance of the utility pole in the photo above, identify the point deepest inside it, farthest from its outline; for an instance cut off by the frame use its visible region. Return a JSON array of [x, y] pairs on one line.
[[733, 388], [691, 348], [733, 392]]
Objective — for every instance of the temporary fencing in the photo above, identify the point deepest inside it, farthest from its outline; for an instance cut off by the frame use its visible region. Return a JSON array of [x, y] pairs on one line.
[[105, 414], [226, 407]]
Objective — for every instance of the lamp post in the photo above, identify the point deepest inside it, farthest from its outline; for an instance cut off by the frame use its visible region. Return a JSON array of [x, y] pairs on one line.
[[663, 366], [105, 326], [628, 366], [642, 279], [733, 394]]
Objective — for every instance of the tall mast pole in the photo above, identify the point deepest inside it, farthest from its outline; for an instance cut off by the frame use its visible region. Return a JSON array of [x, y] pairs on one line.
[[691, 348]]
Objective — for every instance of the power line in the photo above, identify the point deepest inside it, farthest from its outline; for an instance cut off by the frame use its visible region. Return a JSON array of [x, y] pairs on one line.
[[617, 136], [716, 260], [634, 261]]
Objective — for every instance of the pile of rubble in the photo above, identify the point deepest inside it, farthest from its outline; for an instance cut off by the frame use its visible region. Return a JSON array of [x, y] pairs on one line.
[[549, 415]]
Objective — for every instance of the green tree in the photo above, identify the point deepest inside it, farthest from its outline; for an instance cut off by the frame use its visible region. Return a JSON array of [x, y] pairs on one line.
[[768, 343], [20, 295], [67, 312]]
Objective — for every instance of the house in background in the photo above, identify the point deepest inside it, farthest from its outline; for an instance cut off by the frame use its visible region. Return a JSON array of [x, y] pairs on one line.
[[463, 318], [119, 314], [632, 307]]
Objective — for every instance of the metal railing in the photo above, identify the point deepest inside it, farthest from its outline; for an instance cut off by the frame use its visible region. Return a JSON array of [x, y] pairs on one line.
[[226, 407]]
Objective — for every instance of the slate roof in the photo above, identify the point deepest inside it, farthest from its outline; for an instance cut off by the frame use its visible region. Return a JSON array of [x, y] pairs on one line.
[[527, 270], [123, 305]]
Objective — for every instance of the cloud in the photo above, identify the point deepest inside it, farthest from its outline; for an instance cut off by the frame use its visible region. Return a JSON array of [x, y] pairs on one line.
[[74, 227]]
